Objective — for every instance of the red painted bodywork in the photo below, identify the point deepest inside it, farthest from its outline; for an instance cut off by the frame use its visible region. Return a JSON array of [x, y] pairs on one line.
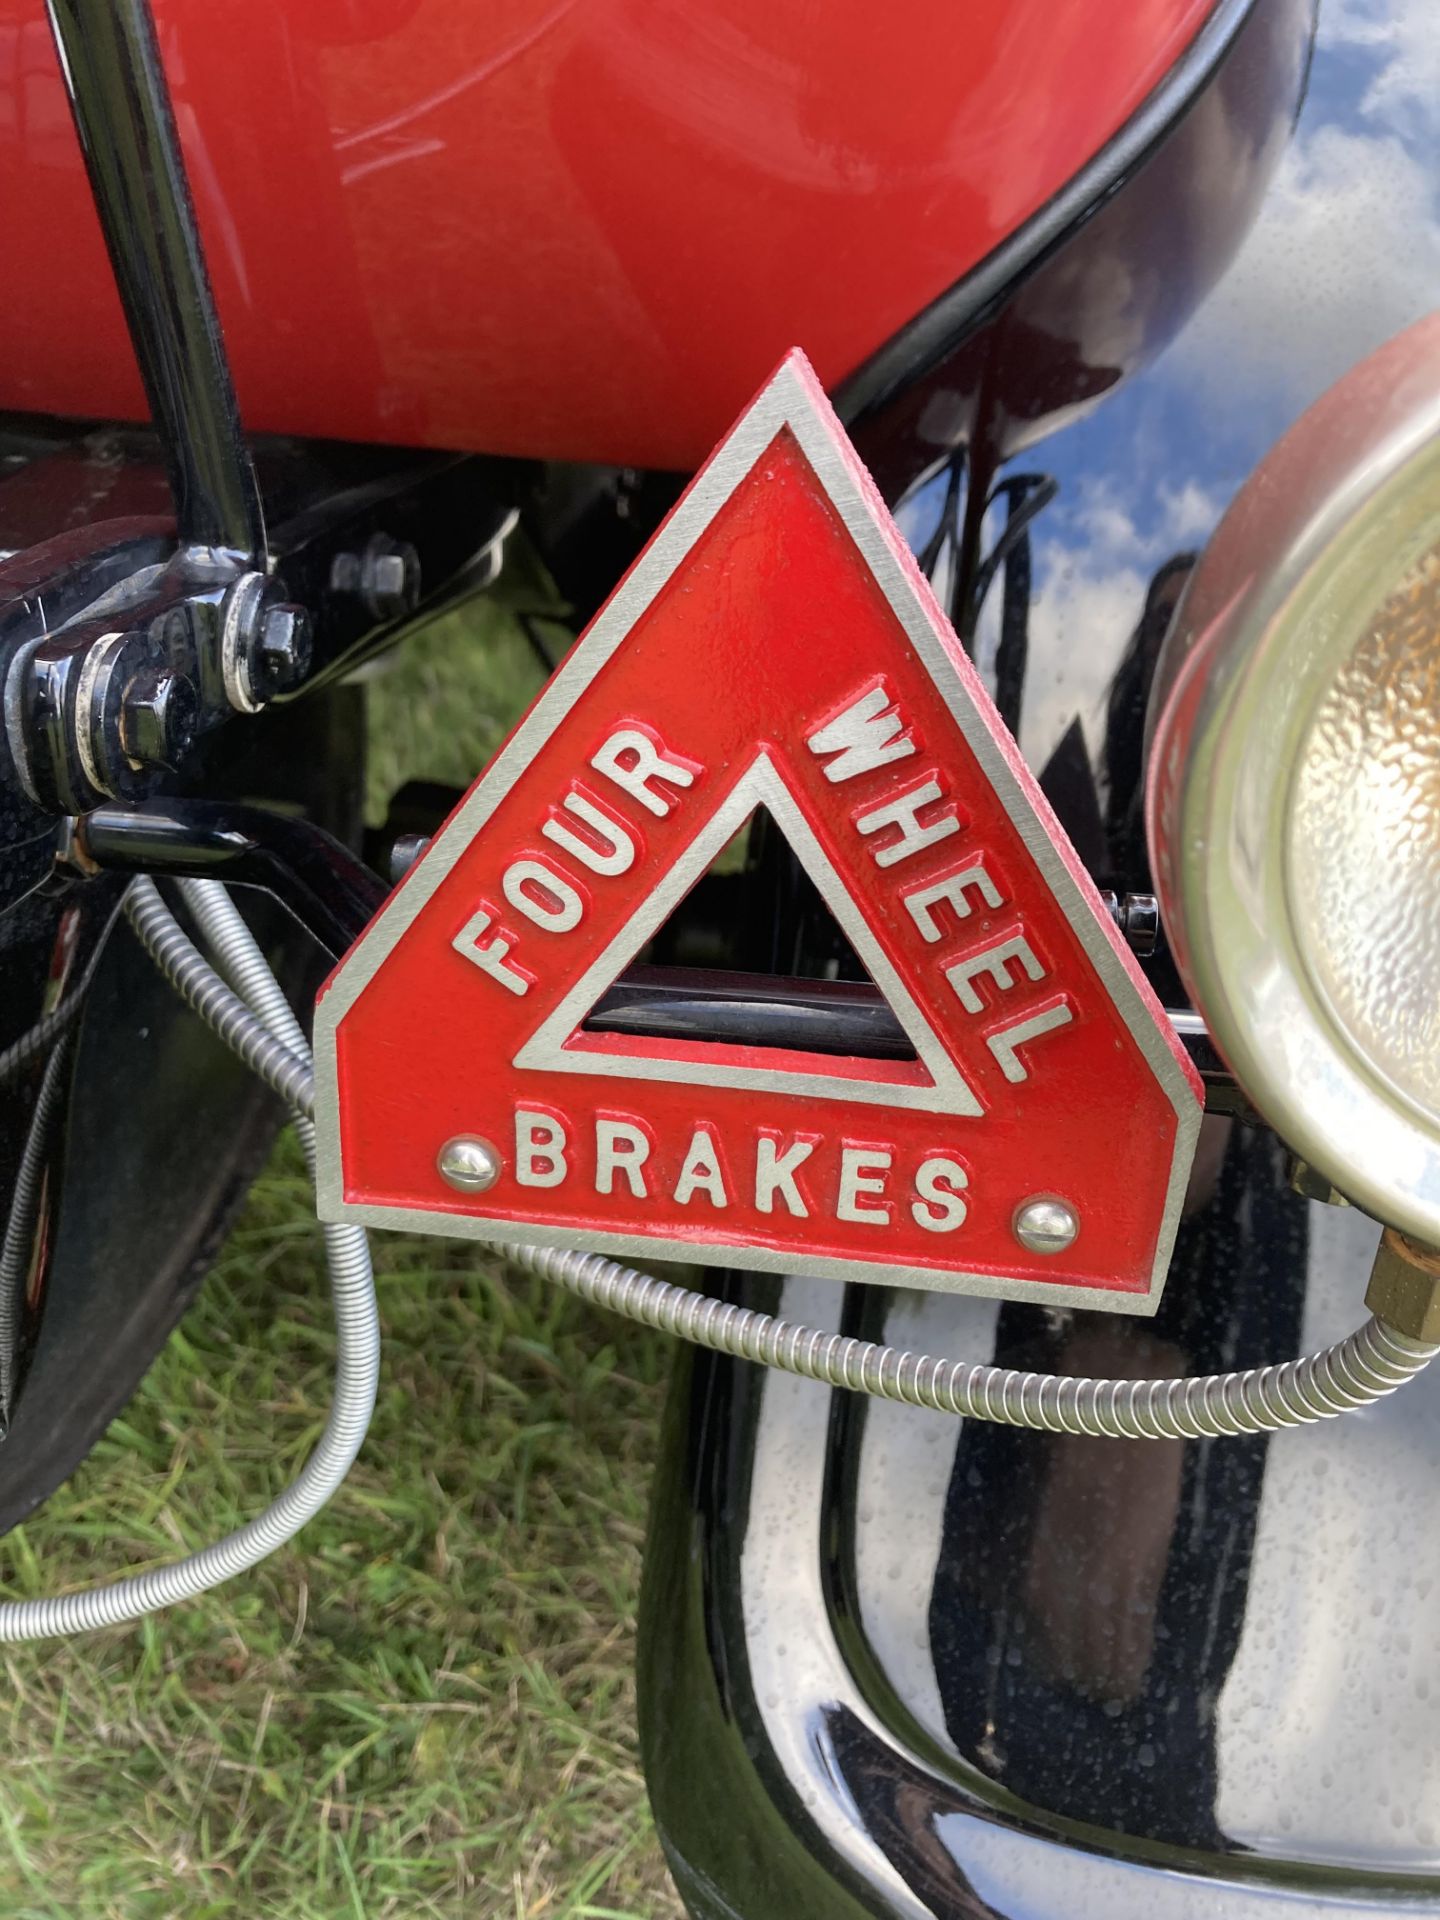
[[777, 597], [570, 228]]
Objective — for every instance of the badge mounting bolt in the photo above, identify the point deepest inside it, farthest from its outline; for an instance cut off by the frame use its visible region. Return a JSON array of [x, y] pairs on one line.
[[468, 1163], [1045, 1224]]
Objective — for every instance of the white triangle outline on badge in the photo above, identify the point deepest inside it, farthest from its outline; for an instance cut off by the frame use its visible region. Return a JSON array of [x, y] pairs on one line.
[[548, 1048]]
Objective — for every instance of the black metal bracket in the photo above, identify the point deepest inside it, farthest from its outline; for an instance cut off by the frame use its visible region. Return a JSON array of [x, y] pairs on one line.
[[106, 704], [849, 1018], [314, 876], [335, 895], [119, 648]]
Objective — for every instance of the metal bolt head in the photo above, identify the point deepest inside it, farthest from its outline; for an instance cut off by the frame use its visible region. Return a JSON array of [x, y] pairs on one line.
[[1140, 922], [159, 712], [283, 649], [1045, 1224], [385, 577], [405, 850], [468, 1163], [390, 577]]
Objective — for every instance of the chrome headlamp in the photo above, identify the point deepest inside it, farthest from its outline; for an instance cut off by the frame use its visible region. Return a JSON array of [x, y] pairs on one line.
[[1293, 798]]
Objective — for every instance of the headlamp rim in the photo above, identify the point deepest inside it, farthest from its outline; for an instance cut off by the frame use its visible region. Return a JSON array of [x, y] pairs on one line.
[[1316, 542]]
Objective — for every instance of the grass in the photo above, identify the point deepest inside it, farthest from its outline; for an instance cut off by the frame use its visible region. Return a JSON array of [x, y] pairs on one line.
[[424, 1706]]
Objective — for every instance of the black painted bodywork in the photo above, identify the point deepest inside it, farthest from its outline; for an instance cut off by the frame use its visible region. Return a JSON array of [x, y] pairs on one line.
[[893, 1664]]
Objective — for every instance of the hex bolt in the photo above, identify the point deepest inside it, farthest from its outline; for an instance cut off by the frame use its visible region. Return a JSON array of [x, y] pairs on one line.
[[159, 713], [468, 1163], [386, 577], [283, 649], [1045, 1224], [391, 579]]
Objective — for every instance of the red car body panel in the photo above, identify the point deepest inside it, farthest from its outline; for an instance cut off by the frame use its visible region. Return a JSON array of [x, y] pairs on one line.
[[569, 228]]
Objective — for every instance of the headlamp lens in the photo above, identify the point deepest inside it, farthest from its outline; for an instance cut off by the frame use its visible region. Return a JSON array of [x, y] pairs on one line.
[[1364, 843]]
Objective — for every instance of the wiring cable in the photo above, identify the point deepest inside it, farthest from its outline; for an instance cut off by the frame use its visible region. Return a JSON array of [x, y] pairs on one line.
[[275, 1047], [17, 1242], [53, 1027]]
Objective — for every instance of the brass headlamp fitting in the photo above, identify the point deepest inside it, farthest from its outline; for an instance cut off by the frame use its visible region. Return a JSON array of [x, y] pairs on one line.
[[1404, 1289]]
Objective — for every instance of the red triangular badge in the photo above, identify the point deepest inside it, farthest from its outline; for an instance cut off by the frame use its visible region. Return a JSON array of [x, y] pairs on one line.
[[774, 646]]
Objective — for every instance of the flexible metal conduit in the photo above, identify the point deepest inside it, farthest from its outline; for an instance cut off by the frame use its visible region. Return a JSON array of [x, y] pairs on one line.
[[1371, 1363], [275, 1047], [1367, 1366]]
